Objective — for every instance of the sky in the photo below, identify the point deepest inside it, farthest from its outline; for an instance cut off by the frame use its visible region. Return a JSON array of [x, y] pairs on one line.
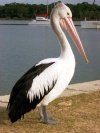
[[3, 2]]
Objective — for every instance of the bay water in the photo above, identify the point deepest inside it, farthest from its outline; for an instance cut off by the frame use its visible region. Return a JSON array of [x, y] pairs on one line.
[[22, 46]]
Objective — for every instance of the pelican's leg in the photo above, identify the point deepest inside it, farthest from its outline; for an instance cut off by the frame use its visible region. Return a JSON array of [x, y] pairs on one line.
[[46, 117], [41, 113], [40, 109]]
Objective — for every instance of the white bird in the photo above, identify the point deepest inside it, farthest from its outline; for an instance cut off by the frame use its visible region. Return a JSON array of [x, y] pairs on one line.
[[46, 80]]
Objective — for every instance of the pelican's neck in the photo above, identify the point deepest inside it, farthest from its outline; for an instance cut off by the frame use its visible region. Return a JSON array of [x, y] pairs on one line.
[[66, 50]]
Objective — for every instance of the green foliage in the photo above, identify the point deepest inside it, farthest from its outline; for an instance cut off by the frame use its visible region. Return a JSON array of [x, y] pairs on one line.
[[28, 11]]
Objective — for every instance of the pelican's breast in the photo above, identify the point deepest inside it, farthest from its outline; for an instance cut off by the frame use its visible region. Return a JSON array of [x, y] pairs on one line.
[[64, 75]]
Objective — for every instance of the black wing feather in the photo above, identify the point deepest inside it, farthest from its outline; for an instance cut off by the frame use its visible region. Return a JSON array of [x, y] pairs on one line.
[[19, 104]]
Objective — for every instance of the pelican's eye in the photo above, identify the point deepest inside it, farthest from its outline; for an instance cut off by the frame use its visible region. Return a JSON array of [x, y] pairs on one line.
[[68, 14]]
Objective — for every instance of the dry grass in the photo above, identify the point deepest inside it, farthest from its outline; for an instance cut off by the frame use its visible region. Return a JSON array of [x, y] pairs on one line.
[[76, 114]]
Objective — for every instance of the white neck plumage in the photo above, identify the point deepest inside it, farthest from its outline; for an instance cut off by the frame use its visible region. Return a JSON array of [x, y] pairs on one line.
[[66, 50]]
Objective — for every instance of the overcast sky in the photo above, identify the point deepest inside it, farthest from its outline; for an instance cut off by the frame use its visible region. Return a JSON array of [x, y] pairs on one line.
[[2, 2]]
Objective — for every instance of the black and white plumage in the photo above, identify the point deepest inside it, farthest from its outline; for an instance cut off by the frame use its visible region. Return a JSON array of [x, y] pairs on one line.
[[20, 100], [45, 81]]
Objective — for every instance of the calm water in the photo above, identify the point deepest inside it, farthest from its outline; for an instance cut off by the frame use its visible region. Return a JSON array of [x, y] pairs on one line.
[[21, 46]]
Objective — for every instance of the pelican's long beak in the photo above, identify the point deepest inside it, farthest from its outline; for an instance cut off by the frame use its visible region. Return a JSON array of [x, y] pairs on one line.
[[68, 24]]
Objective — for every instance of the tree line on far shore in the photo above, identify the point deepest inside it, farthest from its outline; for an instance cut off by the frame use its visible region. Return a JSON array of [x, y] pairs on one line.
[[28, 11]]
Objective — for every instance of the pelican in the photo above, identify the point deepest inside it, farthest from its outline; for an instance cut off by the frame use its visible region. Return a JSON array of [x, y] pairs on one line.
[[46, 80]]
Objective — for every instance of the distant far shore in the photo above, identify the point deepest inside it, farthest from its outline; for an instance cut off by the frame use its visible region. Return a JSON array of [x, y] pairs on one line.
[[22, 11]]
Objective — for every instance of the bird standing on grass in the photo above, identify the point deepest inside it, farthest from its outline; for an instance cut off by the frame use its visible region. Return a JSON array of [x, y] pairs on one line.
[[46, 80]]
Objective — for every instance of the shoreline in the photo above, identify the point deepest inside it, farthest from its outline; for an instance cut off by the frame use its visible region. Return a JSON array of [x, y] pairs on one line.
[[26, 22], [72, 89]]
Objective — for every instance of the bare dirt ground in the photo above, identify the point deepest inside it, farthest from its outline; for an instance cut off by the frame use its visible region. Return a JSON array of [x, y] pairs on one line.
[[76, 114]]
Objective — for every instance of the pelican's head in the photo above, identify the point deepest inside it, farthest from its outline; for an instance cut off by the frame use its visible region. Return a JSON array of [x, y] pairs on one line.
[[63, 14]]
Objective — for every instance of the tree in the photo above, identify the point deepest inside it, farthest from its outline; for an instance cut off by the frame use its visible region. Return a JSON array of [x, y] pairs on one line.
[[27, 11]]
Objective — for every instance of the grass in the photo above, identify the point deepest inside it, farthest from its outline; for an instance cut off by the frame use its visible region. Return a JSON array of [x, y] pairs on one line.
[[76, 114]]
